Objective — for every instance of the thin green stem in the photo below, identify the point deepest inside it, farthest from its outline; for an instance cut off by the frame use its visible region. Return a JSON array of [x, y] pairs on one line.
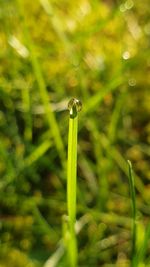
[[74, 106], [134, 211]]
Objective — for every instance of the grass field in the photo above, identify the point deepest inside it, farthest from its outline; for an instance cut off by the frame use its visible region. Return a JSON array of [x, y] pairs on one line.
[[57, 210]]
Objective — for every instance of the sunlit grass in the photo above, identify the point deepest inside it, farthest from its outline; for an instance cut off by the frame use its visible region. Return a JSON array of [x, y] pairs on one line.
[[74, 107]]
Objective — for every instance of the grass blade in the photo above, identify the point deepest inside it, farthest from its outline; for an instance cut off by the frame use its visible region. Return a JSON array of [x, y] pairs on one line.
[[97, 98], [42, 87], [134, 211], [74, 106], [140, 257]]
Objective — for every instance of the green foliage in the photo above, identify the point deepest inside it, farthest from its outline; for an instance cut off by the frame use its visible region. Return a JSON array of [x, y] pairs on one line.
[[51, 51]]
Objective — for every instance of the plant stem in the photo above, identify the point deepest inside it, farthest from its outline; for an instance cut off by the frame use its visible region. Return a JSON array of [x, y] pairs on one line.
[[134, 211], [74, 106]]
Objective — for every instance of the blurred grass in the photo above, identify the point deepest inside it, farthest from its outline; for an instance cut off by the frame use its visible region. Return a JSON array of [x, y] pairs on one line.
[[50, 51]]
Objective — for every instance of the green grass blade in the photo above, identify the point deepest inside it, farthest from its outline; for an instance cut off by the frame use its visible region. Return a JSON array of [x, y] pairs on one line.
[[140, 257], [97, 98], [134, 211], [42, 88], [37, 153], [72, 164], [74, 106], [26, 99], [112, 129]]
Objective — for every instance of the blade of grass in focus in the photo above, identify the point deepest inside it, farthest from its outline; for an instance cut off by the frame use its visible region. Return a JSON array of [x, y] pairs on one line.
[[74, 106]]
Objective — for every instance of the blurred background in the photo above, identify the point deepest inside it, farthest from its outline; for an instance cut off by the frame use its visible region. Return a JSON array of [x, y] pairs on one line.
[[99, 52]]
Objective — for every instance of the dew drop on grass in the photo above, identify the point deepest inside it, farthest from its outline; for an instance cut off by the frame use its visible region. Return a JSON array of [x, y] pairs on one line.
[[74, 106]]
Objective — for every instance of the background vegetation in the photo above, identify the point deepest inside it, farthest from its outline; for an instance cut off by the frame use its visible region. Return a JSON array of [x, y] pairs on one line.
[[99, 52]]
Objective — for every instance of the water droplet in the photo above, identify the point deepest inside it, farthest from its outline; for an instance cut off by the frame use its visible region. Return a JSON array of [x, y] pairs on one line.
[[74, 106]]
